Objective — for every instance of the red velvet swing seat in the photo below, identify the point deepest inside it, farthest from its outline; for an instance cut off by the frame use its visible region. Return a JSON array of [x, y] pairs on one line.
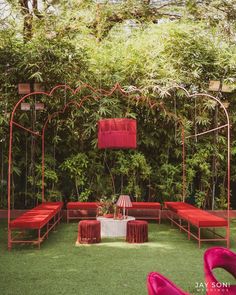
[[157, 284], [219, 257], [117, 133]]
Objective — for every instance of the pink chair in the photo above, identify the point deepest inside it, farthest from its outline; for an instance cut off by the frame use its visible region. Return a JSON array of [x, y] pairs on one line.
[[159, 285], [219, 257]]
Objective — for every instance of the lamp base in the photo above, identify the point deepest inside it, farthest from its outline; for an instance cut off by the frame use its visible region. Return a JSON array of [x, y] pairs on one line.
[[124, 216]]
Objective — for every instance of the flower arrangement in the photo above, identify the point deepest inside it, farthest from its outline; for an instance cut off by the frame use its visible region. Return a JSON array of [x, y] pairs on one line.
[[107, 207]]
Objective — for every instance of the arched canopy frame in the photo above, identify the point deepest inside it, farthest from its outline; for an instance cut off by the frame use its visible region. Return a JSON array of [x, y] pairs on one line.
[[97, 94]]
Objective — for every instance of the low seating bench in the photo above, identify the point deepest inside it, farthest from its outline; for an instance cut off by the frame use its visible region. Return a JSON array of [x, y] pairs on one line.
[[81, 210], [145, 210], [88, 210], [186, 216], [43, 218]]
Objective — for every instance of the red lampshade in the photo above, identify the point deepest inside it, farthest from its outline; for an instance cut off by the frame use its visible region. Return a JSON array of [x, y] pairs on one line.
[[124, 201], [117, 133]]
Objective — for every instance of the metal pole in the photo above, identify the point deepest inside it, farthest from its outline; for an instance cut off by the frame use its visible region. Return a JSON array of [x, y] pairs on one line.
[[183, 166], [228, 186], [43, 164], [9, 184]]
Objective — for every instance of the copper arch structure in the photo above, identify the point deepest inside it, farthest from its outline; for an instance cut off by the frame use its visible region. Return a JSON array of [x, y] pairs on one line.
[[99, 93]]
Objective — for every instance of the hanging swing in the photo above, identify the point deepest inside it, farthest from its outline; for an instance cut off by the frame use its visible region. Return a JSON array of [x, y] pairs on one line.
[[117, 133]]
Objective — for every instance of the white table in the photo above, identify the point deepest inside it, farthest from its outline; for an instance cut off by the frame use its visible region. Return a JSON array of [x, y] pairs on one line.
[[114, 227]]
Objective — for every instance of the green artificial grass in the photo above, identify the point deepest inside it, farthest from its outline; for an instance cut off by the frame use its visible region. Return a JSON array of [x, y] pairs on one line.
[[112, 267]]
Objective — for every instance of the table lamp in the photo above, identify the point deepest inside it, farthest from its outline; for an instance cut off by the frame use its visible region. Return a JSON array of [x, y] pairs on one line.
[[124, 202]]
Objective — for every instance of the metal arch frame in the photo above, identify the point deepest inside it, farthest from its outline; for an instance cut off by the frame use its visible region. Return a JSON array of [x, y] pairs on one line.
[[99, 92], [228, 153], [205, 95], [12, 122]]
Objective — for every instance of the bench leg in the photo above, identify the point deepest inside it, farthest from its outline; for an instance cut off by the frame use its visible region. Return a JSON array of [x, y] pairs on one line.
[[58, 218], [47, 230], [159, 216], [189, 236], [227, 237], [39, 238], [199, 237], [180, 224], [67, 215], [9, 240], [54, 223]]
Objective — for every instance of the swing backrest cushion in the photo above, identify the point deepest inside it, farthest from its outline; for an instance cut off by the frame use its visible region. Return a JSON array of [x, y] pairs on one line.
[[117, 133]]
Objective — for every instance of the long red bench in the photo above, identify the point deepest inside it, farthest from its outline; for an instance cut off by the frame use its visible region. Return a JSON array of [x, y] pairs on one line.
[[177, 206], [88, 210], [186, 216], [81, 210], [43, 218], [145, 210]]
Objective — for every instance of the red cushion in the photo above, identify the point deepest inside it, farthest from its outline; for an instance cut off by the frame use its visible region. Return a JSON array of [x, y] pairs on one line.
[[82, 205], [49, 205], [32, 219], [37, 217], [201, 218], [55, 206], [176, 206], [145, 205]]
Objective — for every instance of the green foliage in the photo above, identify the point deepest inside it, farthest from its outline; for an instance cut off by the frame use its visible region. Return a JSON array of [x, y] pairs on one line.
[[222, 200], [54, 196], [169, 53], [76, 165], [169, 180], [84, 195], [50, 177], [200, 199], [133, 171]]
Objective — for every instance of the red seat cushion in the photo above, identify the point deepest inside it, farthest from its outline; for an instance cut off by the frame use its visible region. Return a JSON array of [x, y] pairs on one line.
[[32, 219], [82, 205], [145, 205], [55, 206], [37, 217], [202, 218], [176, 206]]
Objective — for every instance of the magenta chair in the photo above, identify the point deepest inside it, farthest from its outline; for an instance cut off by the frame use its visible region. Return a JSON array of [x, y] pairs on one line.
[[159, 285], [218, 257]]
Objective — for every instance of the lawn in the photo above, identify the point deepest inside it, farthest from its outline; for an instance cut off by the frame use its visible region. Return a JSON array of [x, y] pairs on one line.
[[112, 267]]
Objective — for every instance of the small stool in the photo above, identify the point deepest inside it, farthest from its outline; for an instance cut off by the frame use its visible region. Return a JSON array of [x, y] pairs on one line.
[[137, 231], [89, 232]]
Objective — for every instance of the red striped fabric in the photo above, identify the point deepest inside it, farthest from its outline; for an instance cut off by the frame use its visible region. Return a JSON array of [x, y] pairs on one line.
[[124, 201]]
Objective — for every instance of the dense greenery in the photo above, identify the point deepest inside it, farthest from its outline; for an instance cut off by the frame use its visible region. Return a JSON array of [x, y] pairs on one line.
[[141, 46]]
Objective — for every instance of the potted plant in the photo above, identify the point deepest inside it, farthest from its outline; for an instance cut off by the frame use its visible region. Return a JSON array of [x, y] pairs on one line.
[[107, 208]]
